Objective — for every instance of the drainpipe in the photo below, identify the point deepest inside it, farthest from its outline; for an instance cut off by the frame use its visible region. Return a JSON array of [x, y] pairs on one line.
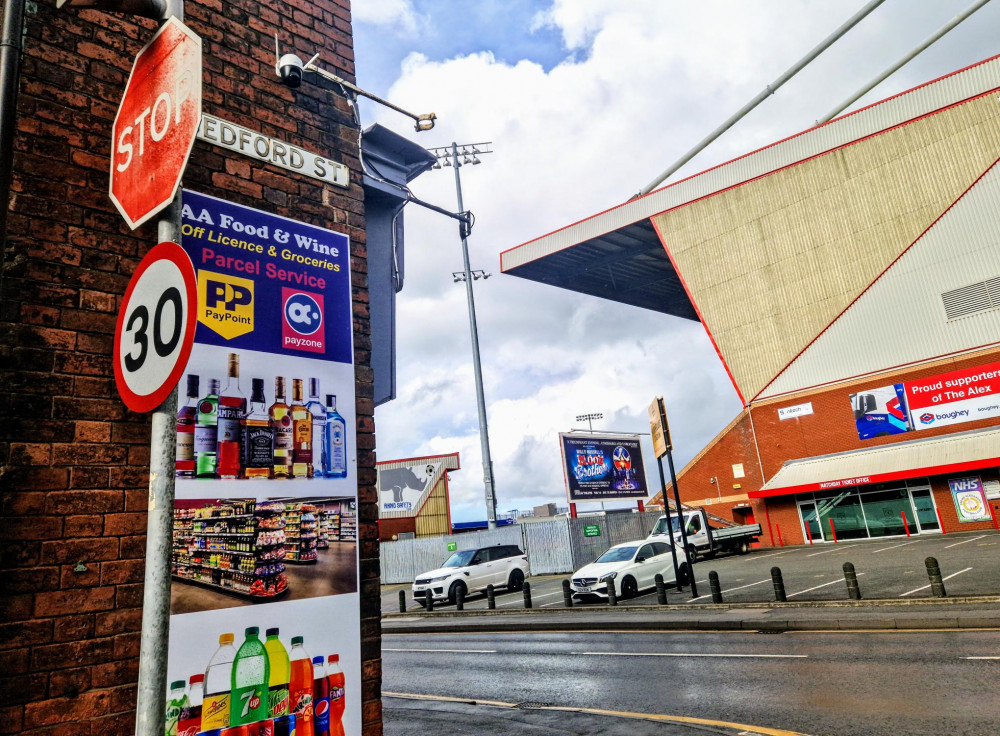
[[10, 73]]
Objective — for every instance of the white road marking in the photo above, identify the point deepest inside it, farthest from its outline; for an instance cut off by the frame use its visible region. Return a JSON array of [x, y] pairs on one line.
[[835, 549], [694, 654], [832, 582], [773, 554], [980, 657], [965, 542], [444, 651], [727, 590], [925, 587], [875, 552]]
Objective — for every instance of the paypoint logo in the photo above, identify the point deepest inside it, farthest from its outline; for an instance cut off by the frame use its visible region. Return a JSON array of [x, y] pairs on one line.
[[302, 321], [225, 303]]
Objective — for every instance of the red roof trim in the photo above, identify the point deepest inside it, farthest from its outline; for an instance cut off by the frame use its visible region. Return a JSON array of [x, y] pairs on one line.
[[694, 304], [877, 478], [771, 145], [877, 278]]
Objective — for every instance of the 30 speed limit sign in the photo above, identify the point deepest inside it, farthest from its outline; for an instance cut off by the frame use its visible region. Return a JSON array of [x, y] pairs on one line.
[[155, 327]]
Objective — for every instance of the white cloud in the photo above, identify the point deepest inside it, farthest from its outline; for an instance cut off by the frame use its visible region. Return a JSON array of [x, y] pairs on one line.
[[640, 84], [398, 16]]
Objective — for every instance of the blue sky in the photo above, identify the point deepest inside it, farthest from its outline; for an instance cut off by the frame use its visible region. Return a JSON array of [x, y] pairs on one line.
[[584, 109]]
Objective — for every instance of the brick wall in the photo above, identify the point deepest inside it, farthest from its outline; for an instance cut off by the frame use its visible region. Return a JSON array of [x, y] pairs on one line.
[[829, 429], [73, 460]]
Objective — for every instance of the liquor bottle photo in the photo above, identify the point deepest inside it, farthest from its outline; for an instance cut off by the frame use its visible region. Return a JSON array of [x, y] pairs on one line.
[[281, 427], [206, 432], [186, 418], [258, 437], [319, 458], [336, 440], [302, 466], [232, 408]]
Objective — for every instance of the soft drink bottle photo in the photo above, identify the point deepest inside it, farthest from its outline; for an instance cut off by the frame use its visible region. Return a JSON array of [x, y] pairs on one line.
[[335, 676], [215, 707], [190, 720], [251, 674], [277, 659], [301, 688], [321, 699]]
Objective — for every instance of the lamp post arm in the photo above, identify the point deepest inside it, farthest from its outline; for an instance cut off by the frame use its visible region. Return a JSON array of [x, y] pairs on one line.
[[423, 122]]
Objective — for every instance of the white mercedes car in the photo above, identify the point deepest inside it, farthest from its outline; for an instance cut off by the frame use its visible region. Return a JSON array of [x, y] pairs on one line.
[[631, 567]]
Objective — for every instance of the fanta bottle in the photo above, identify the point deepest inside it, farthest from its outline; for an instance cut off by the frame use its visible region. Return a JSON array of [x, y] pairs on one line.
[[335, 676], [251, 674], [321, 699], [218, 674], [277, 659], [301, 687]]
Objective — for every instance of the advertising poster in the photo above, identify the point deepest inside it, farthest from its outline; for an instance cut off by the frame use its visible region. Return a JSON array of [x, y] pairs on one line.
[[970, 500], [403, 490], [265, 623], [880, 411], [601, 468], [955, 398]]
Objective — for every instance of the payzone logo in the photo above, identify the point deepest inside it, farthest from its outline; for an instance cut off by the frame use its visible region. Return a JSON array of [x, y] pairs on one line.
[[302, 321], [926, 418], [225, 303]]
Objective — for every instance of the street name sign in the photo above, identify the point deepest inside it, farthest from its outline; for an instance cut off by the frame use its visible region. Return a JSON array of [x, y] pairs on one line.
[[156, 124], [156, 326]]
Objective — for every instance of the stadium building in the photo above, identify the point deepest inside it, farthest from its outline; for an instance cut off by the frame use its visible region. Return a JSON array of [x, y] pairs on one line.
[[849, 279]]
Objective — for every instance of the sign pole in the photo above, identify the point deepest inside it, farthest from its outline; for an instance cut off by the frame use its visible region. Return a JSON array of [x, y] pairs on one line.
[[150, 709], [680, 520], [666, 510]]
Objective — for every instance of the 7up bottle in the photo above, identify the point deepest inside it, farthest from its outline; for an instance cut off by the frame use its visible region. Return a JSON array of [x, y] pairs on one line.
[[248, 703]]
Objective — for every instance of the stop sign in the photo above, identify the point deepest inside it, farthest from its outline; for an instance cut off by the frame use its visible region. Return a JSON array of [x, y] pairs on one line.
[[156, 123]]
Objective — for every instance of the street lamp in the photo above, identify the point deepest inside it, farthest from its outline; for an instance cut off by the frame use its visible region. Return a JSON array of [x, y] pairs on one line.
[[589, 419], [449, 156]]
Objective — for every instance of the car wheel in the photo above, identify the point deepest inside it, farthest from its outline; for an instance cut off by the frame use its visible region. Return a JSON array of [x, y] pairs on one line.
[[683, 574], [692, 553], [630, 589], [744, 547], [516, 579], [453, 591]]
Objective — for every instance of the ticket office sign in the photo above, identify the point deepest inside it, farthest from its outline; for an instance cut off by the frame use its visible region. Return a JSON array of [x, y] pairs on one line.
[[265, 550]]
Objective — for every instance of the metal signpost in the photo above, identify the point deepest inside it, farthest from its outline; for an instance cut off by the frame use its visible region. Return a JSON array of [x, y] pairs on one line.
[[662, 445], [152, 137]]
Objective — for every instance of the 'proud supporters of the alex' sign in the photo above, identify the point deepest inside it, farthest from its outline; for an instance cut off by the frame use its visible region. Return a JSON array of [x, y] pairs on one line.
[[954, 398]]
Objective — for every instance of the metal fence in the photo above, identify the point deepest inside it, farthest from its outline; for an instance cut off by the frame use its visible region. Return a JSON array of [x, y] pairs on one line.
[[556, 546]]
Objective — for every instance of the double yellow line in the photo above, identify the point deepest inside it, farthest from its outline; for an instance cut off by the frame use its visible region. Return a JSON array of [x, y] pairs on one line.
[[660, 717]]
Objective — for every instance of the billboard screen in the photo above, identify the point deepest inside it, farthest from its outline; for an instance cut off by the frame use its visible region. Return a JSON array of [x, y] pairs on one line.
[[602, 468]]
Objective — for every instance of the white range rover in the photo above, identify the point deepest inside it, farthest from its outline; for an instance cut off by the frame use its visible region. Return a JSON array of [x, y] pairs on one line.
[[470, 571]]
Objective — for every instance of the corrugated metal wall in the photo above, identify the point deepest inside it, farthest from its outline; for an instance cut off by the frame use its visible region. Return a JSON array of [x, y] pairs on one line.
[[557, 546]]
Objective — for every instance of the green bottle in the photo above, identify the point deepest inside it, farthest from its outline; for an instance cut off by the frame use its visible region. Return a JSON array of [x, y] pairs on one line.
[[206, 433], [250, 677]]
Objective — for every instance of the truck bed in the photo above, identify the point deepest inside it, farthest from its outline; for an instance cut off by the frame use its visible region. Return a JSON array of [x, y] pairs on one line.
[[747, 530]]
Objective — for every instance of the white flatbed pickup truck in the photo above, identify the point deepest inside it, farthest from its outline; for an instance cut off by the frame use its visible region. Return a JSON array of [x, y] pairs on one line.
[[704, 540]]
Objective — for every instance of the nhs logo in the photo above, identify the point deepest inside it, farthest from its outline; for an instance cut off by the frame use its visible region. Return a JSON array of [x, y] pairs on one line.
[[965, 484]]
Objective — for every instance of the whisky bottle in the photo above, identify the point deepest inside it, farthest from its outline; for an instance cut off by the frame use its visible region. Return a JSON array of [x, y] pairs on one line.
[[319, 459], [281, 427], [336, 440], [186, 418], [232, 408], [206, 432], [302, 466], [258, 437]]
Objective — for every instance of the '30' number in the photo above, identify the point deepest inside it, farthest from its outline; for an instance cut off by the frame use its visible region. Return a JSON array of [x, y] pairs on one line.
[[162, 347]]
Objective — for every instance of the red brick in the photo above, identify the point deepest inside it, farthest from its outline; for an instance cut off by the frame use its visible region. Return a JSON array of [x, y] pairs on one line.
[[66, 602], [64, 710], [73, 628], [92, 431], [71, 550], [77, 502]]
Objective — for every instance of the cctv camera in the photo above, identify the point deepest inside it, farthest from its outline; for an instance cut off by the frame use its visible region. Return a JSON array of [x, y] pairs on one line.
[[290, 70]]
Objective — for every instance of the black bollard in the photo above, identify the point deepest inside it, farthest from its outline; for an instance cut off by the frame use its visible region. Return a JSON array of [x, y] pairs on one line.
[[612, 597], [713, 583], [567, 595], [491, 599], [402, 601], [429, 600], [851, 577], [526, 592], [934, 573], [661, 590], [779, 585], [460, 599]]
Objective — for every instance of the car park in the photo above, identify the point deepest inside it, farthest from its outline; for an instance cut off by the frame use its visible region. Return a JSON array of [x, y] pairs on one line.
[[630, 567], [470, 571]]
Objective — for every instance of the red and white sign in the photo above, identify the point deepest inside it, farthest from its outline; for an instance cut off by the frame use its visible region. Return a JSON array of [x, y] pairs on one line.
[[954, 398], [156, 123], [156, 327]]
